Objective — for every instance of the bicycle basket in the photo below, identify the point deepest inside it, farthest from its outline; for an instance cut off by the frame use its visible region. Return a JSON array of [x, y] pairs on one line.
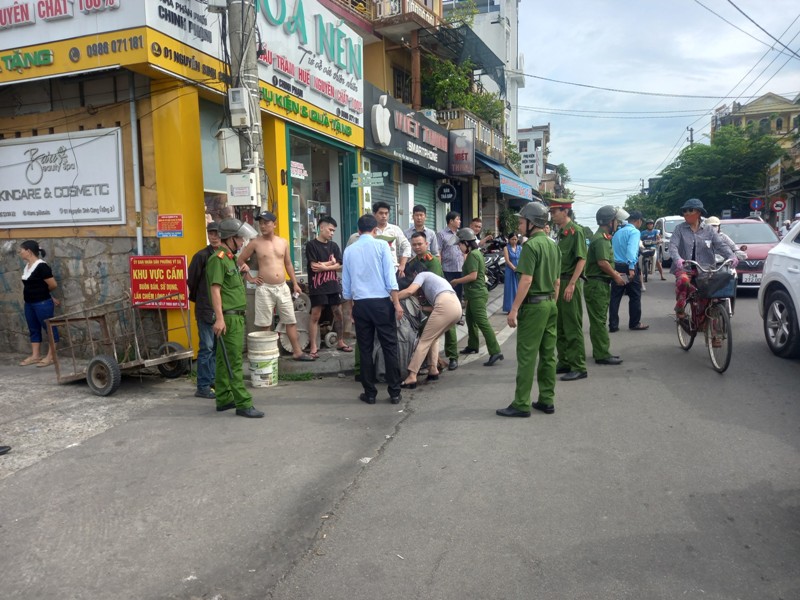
[[720, 284]]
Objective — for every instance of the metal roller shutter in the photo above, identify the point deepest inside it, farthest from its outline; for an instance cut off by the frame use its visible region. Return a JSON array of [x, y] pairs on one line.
[[424, 194]]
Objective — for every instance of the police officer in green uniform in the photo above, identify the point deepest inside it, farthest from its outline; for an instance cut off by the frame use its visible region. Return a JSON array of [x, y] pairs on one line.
[[476, 294], [600, 273], [423, 260], [534, 313], [228, 300], [572, 243]]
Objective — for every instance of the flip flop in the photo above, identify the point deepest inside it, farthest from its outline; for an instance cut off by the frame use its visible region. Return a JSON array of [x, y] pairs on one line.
[[30, 361], [45, 362], [304, 358], [344, 348], [640, 327], [314, 355]]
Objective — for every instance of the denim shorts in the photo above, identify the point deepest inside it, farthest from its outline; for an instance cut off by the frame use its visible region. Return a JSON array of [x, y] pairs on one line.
[[35, 314]]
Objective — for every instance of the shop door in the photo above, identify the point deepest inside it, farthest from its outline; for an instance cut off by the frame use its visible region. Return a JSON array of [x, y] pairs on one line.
[[424, 195]]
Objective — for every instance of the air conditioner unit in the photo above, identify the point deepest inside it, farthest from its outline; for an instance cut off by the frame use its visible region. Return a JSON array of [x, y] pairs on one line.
[[431, 114]]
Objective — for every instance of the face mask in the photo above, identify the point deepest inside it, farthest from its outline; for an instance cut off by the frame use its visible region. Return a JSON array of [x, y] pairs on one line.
[[692, 218]]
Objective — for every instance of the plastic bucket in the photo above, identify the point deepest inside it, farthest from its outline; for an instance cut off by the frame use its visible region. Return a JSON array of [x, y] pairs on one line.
[[263, 368], [262, 342]]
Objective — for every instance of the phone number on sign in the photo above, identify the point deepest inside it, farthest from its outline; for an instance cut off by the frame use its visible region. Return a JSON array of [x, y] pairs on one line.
[[119, 45]]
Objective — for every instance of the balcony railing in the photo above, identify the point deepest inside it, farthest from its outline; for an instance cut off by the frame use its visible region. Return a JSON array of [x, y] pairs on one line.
[[488, 141], [363, 8], [387, 9]]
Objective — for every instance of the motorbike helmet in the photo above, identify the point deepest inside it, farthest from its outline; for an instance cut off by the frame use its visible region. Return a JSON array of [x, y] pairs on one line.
[[536, 213], [622, 214], [650, 222], [712, 221], [605, 215], [695, 204], [229, 228], [465, 234]]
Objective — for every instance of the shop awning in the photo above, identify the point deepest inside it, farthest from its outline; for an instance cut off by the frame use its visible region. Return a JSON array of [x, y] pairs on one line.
[[510, 182]]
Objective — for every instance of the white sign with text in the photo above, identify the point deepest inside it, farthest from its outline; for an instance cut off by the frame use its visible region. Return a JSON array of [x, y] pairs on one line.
[[62, 180]]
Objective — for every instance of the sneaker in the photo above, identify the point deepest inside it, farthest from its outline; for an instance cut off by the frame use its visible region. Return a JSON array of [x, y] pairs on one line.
[[205, 393]]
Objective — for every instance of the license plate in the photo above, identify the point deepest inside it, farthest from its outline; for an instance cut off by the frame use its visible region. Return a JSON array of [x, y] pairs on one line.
[[751, 277]]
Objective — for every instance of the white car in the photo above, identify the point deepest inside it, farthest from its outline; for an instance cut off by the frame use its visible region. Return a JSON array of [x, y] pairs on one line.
[[779, 296], [666, 225]]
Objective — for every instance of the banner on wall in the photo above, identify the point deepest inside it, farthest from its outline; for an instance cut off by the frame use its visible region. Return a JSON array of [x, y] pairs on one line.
[[157, 276], [462, 152], [63, 180]]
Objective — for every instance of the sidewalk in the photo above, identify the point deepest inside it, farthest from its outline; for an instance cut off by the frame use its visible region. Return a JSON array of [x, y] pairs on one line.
[[333, 362]]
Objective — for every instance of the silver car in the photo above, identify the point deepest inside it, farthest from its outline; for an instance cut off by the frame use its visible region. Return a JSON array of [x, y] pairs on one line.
[[666, 225], [779, 296]]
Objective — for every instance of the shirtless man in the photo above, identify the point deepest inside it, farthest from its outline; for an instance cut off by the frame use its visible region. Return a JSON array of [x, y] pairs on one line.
[[274, 263]]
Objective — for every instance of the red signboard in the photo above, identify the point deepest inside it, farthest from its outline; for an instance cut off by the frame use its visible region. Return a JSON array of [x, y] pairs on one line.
[[155, 276], [778, 204], [170, 226]]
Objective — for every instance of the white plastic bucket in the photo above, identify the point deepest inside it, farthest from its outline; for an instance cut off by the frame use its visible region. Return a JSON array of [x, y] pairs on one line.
[[263, 368], [262, 342]]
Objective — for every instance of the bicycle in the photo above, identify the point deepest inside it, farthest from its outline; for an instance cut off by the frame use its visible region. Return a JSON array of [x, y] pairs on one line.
[[709, 309]]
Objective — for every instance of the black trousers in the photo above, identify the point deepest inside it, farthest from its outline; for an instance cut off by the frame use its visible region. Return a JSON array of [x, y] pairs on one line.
[[634, 290], [459, 289], [376, 316]]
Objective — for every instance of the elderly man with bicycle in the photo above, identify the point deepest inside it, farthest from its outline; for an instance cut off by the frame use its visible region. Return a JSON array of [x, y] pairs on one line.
[[696, 241]]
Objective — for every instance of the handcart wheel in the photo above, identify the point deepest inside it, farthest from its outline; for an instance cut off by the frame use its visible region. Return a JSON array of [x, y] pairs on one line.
[[286, 344], [174, 368], [331, 338], [302, 303], [103, 375]]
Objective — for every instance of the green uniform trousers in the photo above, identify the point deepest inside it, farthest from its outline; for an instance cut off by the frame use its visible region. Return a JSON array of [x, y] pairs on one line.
[[570, 344], [477, 319], [229, 389], [598, 295], [536, 335]]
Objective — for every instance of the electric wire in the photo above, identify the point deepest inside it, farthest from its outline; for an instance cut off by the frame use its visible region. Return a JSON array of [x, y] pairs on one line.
[[746, 16]]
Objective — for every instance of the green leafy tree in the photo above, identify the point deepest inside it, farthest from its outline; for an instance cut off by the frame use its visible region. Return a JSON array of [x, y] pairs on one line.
[[513, 157], [645, 204], [507, 220], [734, 164], [463, 13]]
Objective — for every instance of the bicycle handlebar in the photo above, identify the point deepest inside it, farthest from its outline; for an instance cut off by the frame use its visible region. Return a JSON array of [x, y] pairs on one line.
[[700, 267]]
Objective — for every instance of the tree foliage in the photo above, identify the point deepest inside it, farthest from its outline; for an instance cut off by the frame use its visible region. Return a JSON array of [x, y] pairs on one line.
[[734, 164], [463, 13], [448, 85]]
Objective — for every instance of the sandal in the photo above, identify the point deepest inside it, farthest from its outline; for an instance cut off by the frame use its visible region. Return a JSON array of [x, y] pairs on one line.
[[314, 355], [303, 358], [45, 362], [344, 348], [30, 361]]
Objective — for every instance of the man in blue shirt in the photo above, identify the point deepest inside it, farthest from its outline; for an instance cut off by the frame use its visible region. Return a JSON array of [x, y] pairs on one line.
[[368, 279], [626, 261]]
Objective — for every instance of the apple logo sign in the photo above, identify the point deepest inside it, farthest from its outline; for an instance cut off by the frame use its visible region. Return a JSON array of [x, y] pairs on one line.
[[381, 116]]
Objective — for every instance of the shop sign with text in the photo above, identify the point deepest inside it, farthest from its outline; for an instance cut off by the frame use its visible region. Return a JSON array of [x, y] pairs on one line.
[[411, 137], [153, 277], [462, 152], [63, 180]]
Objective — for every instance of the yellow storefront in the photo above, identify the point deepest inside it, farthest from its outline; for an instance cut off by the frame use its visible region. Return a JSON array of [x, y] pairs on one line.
[[152, 77]]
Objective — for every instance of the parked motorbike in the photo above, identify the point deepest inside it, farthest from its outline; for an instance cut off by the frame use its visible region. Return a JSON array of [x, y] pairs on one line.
[[495, 262]]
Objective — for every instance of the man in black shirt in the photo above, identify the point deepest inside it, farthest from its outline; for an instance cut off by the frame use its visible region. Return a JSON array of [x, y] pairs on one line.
[[324, 261], [204, 313]]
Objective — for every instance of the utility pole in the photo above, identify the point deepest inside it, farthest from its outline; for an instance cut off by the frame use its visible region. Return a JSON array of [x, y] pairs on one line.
[[244, 73], [641, 181], [690, 139]]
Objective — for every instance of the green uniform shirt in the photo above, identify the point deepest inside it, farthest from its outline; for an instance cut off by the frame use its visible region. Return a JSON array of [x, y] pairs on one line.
[[599, 249], [221, 270], [572, 243], [434, 265], [541, 259], [475, 290]]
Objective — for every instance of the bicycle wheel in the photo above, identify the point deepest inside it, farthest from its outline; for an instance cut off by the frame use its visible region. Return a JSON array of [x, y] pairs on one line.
[[719, 338], [686, 330]]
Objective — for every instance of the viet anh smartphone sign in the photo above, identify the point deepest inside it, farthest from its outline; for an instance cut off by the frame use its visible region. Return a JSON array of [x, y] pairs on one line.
[[63, 180], [153, 277]]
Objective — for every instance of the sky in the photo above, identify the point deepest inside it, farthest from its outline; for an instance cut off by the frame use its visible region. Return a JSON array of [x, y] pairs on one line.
[[654, 46]]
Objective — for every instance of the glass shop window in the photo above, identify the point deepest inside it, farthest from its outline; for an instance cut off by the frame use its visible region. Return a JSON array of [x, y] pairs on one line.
[[311, 194]]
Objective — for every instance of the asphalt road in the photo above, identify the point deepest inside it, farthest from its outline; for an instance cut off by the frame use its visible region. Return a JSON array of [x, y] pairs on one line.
[[656, 479]]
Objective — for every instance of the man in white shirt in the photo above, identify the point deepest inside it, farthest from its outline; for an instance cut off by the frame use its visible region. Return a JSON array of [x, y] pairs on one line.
[[419, 214], [394, 236]]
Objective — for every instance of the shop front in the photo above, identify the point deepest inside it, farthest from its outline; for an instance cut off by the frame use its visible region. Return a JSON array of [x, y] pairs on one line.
[[153, 79], [405, 159]]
